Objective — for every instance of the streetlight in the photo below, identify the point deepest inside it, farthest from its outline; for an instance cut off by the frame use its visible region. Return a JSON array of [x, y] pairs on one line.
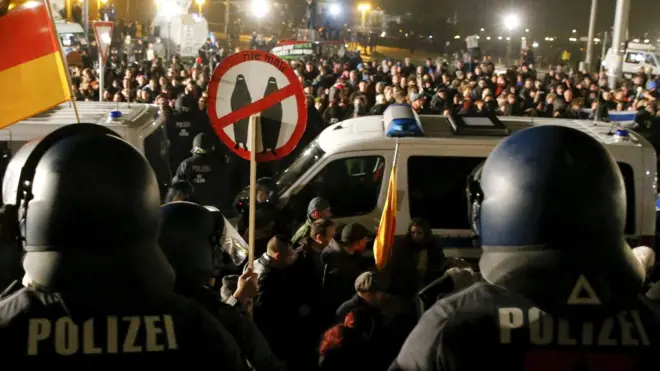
[[535, 44], [260, 8], [364, 8], [511, 22], [482, 30], [574, 31], [457, 37], [526, 29], [335, 9], [487, 37], [200, 4], [169, 10]]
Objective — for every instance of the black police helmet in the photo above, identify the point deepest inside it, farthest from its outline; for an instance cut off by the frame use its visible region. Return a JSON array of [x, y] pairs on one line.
[[202, 143], [83, 192], [553, 209], [188, 237]]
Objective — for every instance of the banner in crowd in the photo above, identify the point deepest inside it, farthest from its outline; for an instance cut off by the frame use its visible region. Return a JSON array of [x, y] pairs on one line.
[[32, 70]]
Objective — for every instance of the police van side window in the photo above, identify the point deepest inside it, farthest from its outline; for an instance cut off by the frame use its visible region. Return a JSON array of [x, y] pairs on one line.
[[351, 185], [7, 150], [629, 181], [436, 188], [156, 150], [634, 58]]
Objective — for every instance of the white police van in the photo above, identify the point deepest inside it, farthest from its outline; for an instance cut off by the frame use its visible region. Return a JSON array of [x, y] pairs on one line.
[[140, 125], [350, 163]]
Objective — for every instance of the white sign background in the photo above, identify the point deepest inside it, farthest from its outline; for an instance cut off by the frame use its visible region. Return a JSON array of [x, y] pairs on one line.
[[256, 75]]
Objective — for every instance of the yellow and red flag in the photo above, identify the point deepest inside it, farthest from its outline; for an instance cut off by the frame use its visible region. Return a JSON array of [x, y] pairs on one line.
[[33, 76], [387, 227]]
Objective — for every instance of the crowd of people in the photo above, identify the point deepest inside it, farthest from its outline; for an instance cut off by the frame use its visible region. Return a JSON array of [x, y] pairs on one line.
[[341, 88]]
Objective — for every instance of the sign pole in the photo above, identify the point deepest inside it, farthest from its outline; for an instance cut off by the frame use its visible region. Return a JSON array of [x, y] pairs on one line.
[[101, 76], [254, 119]]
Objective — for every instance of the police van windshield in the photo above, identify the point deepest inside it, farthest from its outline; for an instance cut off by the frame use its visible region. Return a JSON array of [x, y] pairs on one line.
[[311, 155]]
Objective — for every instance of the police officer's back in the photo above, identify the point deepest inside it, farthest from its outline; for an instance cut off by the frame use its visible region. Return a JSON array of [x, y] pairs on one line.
[[100, 293], [190, 237], [206, 172], [182, 127], [563, 287]]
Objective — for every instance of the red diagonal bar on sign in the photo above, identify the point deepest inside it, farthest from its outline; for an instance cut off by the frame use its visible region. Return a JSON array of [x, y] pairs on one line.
[[258, 106]]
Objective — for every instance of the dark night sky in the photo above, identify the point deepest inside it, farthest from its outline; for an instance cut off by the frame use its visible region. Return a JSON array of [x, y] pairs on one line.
[[542, 17]]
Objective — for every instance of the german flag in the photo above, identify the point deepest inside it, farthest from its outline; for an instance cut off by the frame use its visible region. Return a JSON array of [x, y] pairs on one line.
[[387, 228], [33, 77]]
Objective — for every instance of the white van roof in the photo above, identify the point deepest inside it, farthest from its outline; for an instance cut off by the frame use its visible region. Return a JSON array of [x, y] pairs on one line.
[[136, 115], [368, 133], [68, 27]]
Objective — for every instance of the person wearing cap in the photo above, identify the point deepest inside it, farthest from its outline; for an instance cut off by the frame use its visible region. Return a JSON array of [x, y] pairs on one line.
[[371, 292], [417, 101], [343, 264], [206, 173], [318, 208], [391, 324]]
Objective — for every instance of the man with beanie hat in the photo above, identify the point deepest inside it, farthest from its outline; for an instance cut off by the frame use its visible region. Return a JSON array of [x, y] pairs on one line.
[[343, 264], [318, 208]]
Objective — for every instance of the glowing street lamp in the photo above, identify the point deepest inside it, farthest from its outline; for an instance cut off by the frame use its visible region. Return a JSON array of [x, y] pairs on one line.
[[335, 9], [260, 8], [364, 8], [511, 22], [200, 4]]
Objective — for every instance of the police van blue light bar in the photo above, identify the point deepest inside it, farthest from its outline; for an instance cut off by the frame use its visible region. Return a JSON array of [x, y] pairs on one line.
[[621, 135], [402, 121]]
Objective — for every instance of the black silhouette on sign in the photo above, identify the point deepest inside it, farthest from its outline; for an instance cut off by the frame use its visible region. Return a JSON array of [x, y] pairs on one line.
[[271, 120], [239, 99]]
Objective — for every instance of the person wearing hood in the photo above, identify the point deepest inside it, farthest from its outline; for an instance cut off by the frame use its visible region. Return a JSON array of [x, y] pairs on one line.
[[189, 237], [417, 259], [562, 289], [206, 172]]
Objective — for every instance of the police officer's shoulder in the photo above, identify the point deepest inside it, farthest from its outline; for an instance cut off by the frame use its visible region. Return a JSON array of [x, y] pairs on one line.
[[18, 304]]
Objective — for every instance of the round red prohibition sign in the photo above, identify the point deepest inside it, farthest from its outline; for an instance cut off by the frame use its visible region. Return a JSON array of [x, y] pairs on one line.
[[220, 89]]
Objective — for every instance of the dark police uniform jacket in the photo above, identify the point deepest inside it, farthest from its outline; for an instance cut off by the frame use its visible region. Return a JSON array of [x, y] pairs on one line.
[[181, 130], [49, 331], [486, 327], [208, 176]]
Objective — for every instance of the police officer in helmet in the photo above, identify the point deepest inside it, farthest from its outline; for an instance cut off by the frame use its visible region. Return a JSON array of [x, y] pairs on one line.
[[189, 237], [206, 172], [99, 291], [563, 289]]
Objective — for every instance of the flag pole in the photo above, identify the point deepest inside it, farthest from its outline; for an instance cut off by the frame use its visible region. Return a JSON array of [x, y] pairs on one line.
[[64, 63], [396, 151]]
